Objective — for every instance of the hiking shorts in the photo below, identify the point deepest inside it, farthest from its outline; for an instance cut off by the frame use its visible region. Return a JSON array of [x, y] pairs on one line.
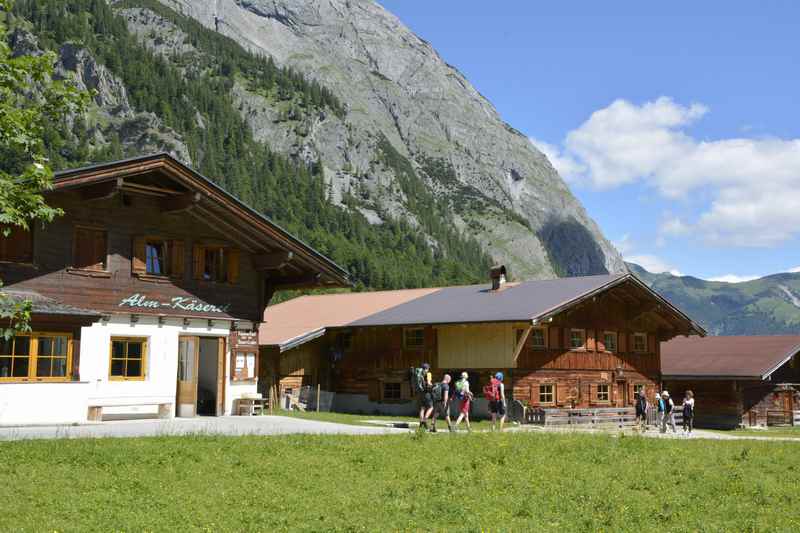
[[497, 407], [464, 408], [441, 408], [426, 400]]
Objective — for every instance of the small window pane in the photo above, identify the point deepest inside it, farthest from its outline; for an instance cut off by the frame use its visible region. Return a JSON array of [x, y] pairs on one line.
[[118, 349], [538, 338], [154, 252], [20, 369], [117, 367], [134, 350], [22, 345], [6, 346], [576, 339], [610, 341], [60, 346], [134, 368], [59, 369], [45, 346], [5, 367], [43, 365]]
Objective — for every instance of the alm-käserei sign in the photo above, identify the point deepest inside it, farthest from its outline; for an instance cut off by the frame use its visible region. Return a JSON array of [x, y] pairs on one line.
[[178, 303]]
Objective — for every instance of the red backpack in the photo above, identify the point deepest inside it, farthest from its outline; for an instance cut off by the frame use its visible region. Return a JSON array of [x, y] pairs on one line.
[[491, 391]]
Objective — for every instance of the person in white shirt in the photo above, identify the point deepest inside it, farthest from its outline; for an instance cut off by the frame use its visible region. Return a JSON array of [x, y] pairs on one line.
[[688, 413]]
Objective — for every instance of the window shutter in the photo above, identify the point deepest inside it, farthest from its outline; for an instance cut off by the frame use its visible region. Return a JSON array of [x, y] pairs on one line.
[[233, 265], [176, 259], [99, 250], [589, 339], [592, 392], [139, 256], [555, 338], [651, 343], [622, 341], [534, 393], [374, 390], [18, 246], [198, 261]]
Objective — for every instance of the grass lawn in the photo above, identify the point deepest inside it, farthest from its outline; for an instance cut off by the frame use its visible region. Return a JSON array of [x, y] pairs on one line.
[[483, 481], [769, 432]]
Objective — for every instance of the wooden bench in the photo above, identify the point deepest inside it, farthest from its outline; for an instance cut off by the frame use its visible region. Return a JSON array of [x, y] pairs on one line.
[[165, 410], [249, 406]]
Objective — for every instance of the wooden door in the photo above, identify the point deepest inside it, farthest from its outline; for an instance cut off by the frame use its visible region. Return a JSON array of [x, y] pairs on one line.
[[188, 357], [622, 393], [787, 400]]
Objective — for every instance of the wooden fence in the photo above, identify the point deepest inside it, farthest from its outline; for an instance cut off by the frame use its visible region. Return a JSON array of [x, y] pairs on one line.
[[783, 418], [603, 416]]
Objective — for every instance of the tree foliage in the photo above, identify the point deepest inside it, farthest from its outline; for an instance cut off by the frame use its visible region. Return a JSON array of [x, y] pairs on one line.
[[29, 100]]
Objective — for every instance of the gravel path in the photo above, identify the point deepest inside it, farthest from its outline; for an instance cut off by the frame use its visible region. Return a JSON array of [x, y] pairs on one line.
[[224, 425]]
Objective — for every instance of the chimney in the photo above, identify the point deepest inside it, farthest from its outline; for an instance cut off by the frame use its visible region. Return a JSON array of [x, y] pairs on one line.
[[498, 275]]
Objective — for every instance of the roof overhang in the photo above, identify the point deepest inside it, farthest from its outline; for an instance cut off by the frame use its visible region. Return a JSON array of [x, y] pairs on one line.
[[715, 377], [212, 203], [785, 359]]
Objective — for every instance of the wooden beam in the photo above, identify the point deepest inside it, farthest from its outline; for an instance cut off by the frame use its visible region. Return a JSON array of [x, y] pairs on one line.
[[178, 204], [302, 282], [234, 234], [103, 191], [150, 189], [272, 260], [522, 340]]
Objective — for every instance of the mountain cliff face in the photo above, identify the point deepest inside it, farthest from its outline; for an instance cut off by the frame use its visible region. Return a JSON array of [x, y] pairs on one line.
[[396, 86], [408, 154], [765, 306]]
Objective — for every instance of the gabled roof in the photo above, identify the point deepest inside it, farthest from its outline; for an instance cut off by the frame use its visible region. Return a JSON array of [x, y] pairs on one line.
[[305, 318], [291, 323], [181, 188], [44, 305], [735, 357]]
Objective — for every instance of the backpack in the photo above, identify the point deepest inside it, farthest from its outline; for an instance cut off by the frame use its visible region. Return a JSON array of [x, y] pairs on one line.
[[491, 391], [668, 405], [660, 405], [460, 389], [417, 378], [438, 392], [688, 410]]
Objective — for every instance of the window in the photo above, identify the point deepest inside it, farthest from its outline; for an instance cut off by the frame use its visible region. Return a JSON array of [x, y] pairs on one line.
[[577, 339], [346, 340], [90, 249], [17, 246], [610, 341], [413, 338], [37, 356], [156, 256], [216, 263], [538, 339], [640, 342], [127, 358], [391, 391], [243, 367], [546, 394], [602, 393], [637, 389]]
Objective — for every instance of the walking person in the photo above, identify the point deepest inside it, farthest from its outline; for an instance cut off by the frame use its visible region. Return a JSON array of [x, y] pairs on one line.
[[423, 386], [441, 402], [688, 413], [495, 392], [464, 395], [659, 411], [641, 411], [669, 413]]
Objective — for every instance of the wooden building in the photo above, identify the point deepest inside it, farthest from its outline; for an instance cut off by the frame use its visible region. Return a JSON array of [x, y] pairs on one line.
[[146, 295], [748, 381], [570, 342]]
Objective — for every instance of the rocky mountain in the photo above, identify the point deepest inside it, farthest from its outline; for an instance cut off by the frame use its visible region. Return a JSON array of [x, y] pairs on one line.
[[765, 306], [400, 140]]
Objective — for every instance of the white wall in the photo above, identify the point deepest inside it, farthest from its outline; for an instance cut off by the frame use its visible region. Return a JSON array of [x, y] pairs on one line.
[[51, 403]]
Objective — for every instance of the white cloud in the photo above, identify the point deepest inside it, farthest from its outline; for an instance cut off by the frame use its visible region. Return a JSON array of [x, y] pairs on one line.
[[733, 278], [567, 167], [753, 181], [794, 270], [653, 264]]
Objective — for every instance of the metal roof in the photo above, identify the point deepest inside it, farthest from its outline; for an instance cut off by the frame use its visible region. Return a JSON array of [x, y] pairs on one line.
[[734, 357]]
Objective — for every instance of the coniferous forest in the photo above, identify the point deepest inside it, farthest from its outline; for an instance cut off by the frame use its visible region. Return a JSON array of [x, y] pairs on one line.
[[393, 254]]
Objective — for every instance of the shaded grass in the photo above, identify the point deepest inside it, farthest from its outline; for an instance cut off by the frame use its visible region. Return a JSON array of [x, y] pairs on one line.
[[361, 420], [517, 482]]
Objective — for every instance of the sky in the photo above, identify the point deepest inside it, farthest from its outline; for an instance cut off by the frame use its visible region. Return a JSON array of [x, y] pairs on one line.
[[676, 124]]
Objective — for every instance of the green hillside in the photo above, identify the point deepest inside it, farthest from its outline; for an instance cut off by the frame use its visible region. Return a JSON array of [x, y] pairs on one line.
[[192, 97], [766, 306]]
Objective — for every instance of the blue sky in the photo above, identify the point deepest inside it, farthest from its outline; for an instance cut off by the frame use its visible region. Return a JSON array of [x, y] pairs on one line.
[[677, 126]]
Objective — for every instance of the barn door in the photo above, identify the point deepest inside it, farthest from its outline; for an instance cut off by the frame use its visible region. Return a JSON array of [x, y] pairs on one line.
[[188, 356]]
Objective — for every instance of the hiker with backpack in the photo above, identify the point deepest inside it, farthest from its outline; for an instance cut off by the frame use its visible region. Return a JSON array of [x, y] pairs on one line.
[[688, 413], [441, 402], [495, 392], [422, 385], [641, 411], [660, 411], [464, 395], [669, 413]]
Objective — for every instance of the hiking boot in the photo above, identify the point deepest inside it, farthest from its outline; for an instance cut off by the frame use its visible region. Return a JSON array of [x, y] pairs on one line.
[[433, 429], [450, 428]]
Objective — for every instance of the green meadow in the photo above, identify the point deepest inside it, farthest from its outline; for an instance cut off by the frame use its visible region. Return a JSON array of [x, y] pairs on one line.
[[477, 482]]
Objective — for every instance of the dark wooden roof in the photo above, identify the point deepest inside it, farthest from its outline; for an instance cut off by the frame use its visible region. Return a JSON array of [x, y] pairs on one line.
[[44, 305], [293, 263], [735, 357]]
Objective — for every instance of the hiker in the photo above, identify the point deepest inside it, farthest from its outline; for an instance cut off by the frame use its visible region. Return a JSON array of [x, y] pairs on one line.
[[659, 410], [641, 411], [688, 413], [441, 402], [423, 383], [495, 392], [669, 413], [464, 395]]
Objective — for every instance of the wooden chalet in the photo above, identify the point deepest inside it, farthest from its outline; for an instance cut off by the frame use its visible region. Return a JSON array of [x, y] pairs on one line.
[[737, 380], [564, 343], [146, 294]]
